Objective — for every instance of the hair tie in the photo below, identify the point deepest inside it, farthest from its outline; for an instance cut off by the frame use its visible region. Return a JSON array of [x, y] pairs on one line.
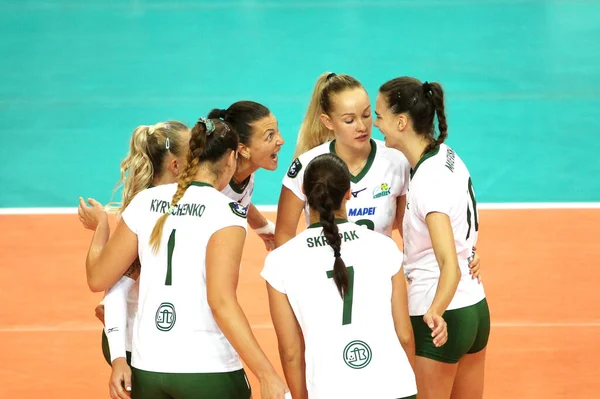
[[171, 210], [336, 254], [209, 125], [331, 75], [167, 143], [426, 87]]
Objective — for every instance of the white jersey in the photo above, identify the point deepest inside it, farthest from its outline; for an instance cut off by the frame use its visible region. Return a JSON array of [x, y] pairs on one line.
[[375, 190], [240, 193], [440, 182], [352, 350], [174, 329]]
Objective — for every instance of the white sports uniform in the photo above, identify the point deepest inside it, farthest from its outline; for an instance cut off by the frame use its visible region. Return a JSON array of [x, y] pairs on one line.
[[243, 195], [440, 182], [174, 330], [375, 189], [362, 358]]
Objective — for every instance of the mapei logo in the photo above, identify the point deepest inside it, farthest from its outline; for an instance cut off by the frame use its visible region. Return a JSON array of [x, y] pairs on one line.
[[369, 211], [382, 190]]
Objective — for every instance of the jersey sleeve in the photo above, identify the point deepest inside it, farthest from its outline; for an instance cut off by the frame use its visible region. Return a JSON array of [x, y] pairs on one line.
[[436, 194], [294, 178], [131, 214], [272, 272], [396, 257], [233, 214]]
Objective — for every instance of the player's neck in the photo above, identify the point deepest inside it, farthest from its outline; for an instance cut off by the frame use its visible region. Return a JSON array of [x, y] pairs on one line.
[[339, 214], [165, 178], [415, 149], [354, 158], [243, 170], [205, 176]]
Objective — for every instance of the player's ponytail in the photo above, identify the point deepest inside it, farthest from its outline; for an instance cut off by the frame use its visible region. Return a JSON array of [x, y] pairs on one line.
[[312, 131], [148, 147], [326, 182], [210, 141], [423, 102]]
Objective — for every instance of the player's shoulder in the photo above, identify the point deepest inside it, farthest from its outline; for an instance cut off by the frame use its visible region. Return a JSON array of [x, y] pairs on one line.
[[303, 159], [163, 191], [391, 155]]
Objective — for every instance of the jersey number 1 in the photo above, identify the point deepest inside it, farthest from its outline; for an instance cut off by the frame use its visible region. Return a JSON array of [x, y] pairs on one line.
[[170, 249], [348, 295], [474, 204]]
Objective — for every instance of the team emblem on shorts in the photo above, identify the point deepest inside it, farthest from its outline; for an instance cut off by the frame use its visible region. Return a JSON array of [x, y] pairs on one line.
[[239, 209], [357, 354], [295, 168], [165, 316], [382, 190]]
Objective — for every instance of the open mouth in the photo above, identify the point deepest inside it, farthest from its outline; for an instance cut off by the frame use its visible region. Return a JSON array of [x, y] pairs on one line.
[[274, 156]]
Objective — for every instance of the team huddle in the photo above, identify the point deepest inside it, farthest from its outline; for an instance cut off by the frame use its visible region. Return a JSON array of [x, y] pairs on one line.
[[355, 316]]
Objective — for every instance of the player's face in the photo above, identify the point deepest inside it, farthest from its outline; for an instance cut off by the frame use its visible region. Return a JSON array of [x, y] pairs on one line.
[[265, 143], [350, 118], [386, 122]]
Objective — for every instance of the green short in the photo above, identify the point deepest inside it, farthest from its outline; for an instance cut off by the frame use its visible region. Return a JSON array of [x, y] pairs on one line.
[[152, 385], [106, 350], [468, 332]]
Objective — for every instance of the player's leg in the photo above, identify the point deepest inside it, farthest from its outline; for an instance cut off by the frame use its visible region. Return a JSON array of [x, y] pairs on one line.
[[435, 368], [230, 385], [148, 385], [468, 383]]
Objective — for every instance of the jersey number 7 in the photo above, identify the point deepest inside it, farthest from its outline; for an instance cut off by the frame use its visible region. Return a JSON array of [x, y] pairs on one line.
[[348, 295]]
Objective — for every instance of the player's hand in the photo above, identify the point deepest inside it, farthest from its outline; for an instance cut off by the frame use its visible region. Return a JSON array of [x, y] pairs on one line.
[[269, 240], [439, 330], [272, 387], [475, 266], [90, 216], [119, 384], [100, 312]]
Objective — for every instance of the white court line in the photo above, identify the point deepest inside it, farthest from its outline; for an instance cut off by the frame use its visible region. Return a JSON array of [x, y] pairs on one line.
[[268, 326], [273, 208]]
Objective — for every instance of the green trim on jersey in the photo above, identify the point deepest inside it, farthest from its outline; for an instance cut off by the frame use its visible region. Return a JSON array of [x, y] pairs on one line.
[[200, 184], [336, 221], [370, 159], [239, 188], [425, 157]]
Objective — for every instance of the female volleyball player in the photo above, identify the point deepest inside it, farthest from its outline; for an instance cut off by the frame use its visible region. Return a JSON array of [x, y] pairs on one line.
[[440, 230], [188, 321], [337, 292], [339, 121]]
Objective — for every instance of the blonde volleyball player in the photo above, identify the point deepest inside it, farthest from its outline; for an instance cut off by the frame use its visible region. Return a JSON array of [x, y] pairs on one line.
[[440, 229], [339, 121], [189, 326], [156, 156], [338, 300]]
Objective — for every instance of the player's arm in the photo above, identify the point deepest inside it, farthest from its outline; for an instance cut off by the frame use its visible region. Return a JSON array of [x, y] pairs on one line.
[[108, 258], [223, 257], [402, 322], [290, 342], [442, 239], [262, 226], [400, 209], [289, 210]]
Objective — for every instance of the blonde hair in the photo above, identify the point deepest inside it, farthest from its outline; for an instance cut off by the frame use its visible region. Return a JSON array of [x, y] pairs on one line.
[[207, 145], [313, 132], [147, 150]]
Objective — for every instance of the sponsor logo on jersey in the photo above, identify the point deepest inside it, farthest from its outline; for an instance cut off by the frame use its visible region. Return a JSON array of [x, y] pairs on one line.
[[238, 209], [295, 168], [370, 211], [114, 329], [450, 156], [165, 316], [355, 193], [357, 354], [382, 190]]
